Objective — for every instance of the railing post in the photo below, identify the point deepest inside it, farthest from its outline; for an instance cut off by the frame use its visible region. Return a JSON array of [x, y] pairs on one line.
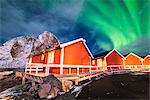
[[61, 61], [26, 67], [30, 69], [78, 70], [47, 70], [36, 70], [110, 68], [90, 69], [69, 70]]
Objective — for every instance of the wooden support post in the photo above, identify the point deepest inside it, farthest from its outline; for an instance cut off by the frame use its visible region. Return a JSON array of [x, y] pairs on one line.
[[61, 61], [47, 71], [89, 78], [23, 80], [26, 67], [30, 70], [76, 82], [33, 83], [61, 70]]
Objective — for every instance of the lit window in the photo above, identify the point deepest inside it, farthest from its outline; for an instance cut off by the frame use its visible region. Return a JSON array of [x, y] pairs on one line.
[[99, 62], [93, 62]]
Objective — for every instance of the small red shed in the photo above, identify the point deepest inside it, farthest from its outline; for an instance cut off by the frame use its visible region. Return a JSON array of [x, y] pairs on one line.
[[109, 60], [146, 60], [74, 53], [133, 61]]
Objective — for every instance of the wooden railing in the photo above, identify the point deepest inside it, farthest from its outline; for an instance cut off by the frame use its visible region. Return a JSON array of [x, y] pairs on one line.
[[138, 67], [37, 67], [45, 68], [129, 67], [115, 67]]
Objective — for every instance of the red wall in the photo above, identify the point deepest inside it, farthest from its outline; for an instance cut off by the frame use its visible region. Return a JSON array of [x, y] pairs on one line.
[[133, 60], [46, 58], [114, 59], [76, 54], [57, 54], [55, 70], [147, 61], [37, 59]]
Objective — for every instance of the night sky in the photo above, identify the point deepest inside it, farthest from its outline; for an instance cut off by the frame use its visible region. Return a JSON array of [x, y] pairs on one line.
[[105, 24]]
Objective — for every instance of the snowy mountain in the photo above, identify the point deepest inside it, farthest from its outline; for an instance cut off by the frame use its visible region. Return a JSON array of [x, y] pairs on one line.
[[14, 53]]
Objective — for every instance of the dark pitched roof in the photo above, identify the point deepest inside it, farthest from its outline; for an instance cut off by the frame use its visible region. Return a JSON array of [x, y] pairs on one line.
[[135, 54], [143, 57], [126, 54], [102, 54]]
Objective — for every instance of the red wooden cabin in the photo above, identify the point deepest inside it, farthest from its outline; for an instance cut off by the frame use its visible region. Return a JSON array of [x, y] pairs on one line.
[[71, 54], [110, 60], [132, 61], [146, 60]]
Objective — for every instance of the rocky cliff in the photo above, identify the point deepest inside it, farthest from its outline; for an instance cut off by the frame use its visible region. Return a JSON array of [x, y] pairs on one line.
[[14, 53]]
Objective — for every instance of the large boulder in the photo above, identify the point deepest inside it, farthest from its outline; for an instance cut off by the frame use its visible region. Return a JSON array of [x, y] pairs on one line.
[[50, 87]]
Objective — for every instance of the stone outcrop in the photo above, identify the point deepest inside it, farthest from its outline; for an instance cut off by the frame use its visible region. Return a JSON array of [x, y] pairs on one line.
[[50, 87]]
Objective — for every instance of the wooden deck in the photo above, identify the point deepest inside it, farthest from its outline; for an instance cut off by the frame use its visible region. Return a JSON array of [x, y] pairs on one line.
[[35, 72], [73, 77]]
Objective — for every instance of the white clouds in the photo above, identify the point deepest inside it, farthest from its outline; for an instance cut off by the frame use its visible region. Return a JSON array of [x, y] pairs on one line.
[[18, 20]]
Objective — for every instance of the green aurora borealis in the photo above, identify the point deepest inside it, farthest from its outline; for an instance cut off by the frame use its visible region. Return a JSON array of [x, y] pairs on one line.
[[121, 21]]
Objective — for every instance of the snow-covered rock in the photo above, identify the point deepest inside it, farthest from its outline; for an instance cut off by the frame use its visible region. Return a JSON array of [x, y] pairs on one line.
[[14, 53]]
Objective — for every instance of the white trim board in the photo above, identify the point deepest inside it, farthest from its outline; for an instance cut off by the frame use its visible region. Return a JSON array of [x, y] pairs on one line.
[[146, 56], [112, 51], [71, 42]]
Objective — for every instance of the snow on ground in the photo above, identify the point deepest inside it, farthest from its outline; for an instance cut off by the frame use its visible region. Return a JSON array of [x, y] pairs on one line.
[[138, 73]]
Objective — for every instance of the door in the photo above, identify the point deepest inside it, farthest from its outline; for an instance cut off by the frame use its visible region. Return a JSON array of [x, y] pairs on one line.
[[51, 57], [100, 64]]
